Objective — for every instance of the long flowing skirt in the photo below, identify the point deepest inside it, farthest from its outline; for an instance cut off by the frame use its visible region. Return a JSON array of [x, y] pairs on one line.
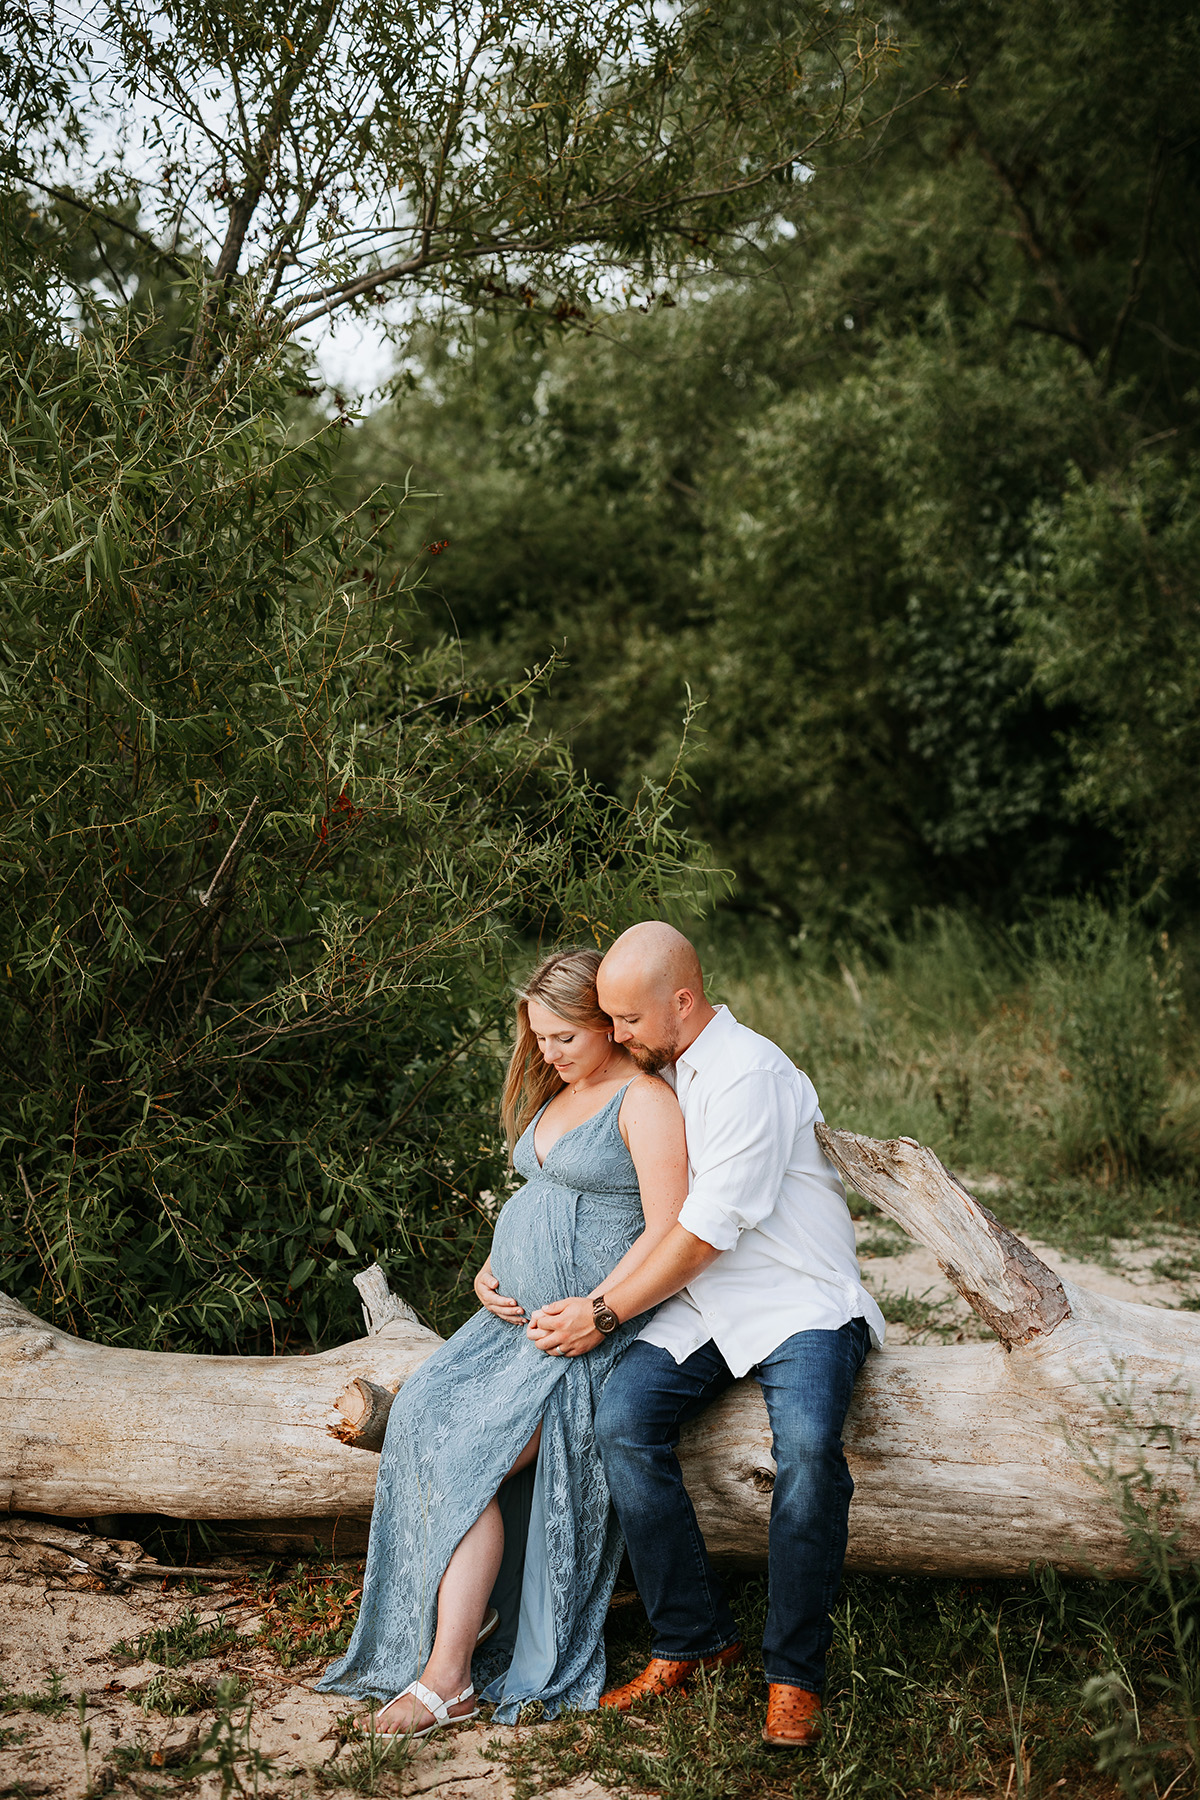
[[455, 1429]]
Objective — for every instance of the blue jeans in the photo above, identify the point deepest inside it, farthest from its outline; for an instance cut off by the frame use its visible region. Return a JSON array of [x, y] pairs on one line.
[[807, 1384]]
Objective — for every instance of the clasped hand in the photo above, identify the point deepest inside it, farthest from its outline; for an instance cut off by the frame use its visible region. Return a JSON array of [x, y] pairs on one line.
[[564, 1328]]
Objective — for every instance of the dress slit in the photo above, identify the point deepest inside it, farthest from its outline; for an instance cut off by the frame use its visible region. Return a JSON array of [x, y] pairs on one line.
[[460, 1422]]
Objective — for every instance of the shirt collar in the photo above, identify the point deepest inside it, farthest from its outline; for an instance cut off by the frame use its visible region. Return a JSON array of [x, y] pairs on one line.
[[707, 1047]]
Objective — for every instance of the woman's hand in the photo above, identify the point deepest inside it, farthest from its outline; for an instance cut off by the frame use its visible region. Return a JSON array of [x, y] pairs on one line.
[[485, 1285], [565, 1328]]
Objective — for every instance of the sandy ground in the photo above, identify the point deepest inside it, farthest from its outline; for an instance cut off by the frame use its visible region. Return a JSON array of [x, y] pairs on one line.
[[47, 1625], [58, 1618]]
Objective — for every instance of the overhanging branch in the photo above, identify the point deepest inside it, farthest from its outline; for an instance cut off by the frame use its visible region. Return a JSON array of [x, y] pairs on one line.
[[96, 212]]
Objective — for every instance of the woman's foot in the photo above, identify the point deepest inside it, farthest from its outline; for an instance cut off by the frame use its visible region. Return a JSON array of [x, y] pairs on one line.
[[420, 1709]]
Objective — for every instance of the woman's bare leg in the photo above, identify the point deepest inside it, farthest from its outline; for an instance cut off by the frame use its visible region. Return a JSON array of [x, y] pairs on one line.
[[462, 1603]]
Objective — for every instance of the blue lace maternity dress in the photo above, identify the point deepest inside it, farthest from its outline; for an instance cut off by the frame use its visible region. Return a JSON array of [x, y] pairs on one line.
[[460, 1422]]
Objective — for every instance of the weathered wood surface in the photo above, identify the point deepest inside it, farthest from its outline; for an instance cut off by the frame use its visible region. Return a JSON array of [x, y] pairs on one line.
[[969, 1459], [49, 1549], [87, 1431], [980, 1458]]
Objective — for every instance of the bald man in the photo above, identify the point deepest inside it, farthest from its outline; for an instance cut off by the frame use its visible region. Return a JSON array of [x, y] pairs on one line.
[[758, 1277]]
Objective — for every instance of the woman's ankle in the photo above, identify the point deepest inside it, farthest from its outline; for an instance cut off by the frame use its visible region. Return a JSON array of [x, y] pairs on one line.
[[446, 1681]]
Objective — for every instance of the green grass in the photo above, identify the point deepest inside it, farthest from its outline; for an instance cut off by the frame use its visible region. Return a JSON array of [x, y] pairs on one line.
[[917, 1314], [309, 1613], [1063, 1058], [882, 1243], [186, 1641], [365, 1761], [54, 1701], [224, 1751], [938, 1688]]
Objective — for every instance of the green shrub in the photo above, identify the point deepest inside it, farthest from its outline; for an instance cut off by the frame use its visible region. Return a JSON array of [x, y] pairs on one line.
[[1113, 995], [265, 872]]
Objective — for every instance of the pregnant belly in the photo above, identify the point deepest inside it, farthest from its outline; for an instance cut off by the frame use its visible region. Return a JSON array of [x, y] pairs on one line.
[[546, 1247]]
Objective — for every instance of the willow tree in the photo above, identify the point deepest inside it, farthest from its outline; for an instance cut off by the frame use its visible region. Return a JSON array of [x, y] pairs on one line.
[[260, 866], [305, 160], [264, 868]]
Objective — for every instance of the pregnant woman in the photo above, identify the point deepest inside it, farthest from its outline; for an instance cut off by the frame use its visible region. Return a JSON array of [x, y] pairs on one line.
[[491, 1499]]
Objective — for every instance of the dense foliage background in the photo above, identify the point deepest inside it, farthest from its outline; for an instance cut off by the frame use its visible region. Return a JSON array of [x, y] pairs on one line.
[[264, 871], [815, 385], [836, 378], [268, 863], [907, 496]]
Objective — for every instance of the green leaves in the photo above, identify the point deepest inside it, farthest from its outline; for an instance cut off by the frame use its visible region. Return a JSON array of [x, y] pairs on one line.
[[1110, 617], [874, 492], [264, 871], [356, 149]]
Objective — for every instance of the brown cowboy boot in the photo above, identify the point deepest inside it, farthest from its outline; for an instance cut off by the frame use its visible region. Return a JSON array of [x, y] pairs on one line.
[[793, 1717], [660, 1676]]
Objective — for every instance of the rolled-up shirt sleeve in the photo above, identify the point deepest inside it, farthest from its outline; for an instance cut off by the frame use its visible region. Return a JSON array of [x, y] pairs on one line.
[[749, 1130]]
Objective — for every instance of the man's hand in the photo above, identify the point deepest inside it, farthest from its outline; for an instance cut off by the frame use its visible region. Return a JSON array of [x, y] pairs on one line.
[[486, 1285], [564, 1328]]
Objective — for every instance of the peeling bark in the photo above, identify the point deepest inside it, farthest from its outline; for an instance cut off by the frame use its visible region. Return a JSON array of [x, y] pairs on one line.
[[999, 1277]]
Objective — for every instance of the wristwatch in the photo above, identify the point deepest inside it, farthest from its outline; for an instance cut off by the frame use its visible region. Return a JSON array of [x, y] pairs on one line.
[[603, 1317]]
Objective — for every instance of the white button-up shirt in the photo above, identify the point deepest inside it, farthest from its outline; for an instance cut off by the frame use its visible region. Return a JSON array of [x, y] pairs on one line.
[[762, 1191]]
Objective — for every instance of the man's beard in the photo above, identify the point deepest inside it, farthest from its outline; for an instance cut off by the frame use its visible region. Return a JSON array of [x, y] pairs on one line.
[[651, 1060]]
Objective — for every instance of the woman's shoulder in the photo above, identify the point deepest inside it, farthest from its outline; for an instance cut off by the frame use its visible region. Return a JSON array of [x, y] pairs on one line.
[[648, 1097]]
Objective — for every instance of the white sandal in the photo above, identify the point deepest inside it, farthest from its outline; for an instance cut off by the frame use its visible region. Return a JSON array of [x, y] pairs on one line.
[[490, 1624], [433, 1703]]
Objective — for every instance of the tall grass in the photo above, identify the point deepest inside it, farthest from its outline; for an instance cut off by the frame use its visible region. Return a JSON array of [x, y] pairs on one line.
[[1061, 1055], [1116, 997]]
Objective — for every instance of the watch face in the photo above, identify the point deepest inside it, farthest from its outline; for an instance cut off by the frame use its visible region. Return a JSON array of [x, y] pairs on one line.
[[606, 1319]]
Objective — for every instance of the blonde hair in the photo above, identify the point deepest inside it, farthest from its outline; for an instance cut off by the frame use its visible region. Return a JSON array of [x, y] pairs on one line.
[[565, 983]]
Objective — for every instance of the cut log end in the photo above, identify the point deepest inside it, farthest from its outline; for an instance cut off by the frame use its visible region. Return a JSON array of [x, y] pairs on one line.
[[362, 1414]]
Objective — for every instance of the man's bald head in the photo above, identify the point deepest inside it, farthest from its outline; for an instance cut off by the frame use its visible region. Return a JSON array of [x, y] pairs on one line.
[[651, 986], [655, 952]]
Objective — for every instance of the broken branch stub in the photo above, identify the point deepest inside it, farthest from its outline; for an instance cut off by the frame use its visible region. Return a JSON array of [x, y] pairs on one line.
[[380, 1306], [999, 1277]]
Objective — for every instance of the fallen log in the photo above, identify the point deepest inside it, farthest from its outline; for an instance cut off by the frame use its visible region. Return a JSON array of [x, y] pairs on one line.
[[969, 1459], [86, 1430]]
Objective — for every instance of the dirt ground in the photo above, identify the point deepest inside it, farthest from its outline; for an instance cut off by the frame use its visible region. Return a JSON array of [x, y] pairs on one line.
[[60, 1622], [50, 1627]]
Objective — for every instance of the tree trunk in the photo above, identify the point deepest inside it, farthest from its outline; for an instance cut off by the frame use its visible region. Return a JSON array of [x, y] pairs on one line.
[[969, 1459]]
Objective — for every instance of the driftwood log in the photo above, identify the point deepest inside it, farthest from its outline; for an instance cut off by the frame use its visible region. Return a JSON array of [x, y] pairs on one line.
[[969, 1459], [87, 1559]]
